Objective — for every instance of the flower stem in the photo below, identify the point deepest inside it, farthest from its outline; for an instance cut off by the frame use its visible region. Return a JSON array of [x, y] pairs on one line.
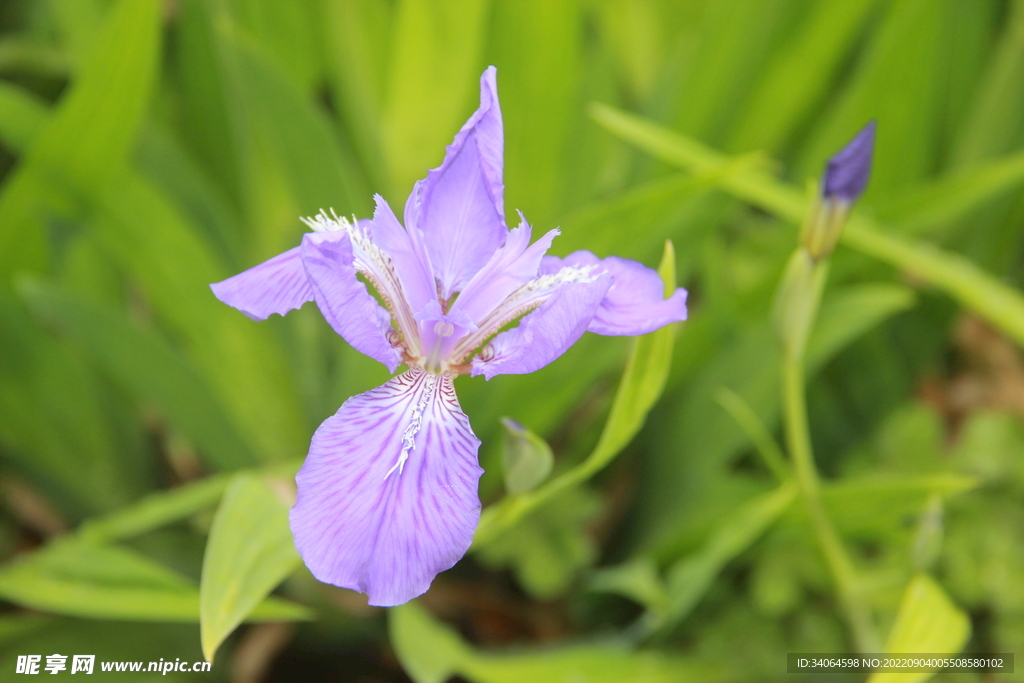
[[841, 567]]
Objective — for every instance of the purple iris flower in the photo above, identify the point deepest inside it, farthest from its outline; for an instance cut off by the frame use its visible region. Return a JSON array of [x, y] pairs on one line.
[[847, 172], [387, 497]]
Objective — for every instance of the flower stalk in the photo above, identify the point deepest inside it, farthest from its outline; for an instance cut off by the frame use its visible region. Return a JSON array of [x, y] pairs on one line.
[[796, 307]]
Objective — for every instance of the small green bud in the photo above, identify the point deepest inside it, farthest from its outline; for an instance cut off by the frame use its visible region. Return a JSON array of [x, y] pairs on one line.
[[527, 459]]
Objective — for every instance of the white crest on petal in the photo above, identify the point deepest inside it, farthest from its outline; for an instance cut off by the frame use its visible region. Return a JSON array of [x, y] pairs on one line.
[[373, 263], [415, 422], [522, 301]]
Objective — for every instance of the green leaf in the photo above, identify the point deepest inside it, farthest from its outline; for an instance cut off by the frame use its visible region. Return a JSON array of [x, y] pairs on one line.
[[641, 386], [429, 652], [689, 578], [88, 136], [638, 579], [145, 363], [972, 287], [927, 621], [526, 458], [848, 313], [106, 582], [249, 552], [431, 86], [22, 116]]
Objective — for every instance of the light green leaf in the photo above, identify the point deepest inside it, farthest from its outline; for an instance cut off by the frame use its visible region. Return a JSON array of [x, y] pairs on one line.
[[641, 386], [430, 652], [927, 622], [145, 363], [526, 458], [638, 579], [689, 578], [435, 64], [106, 582], [848, 313], [249, 552], [22, 116]]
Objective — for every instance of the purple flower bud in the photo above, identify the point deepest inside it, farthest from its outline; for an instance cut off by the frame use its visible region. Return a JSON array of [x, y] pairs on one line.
[[847, 172]]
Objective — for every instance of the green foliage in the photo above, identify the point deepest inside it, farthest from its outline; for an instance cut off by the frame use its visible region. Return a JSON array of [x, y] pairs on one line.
[[645, 519]]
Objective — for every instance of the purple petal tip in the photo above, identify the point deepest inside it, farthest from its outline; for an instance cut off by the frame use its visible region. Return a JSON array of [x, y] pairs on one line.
[[848, 171]]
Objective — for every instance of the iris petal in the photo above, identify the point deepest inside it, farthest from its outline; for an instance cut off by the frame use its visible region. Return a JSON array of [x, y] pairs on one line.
[[343, 299], [275, 286], [635, 302], [364, 522], [459, 206], [546, 333]]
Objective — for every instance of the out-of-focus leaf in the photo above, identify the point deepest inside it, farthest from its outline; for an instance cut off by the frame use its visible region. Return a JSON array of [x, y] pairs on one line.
[[895, 82], [526, 458], [927, 621], [689, 578], [434, 67], [951, 198], [151, 240], [638, 580], [874, 502], [286, 31], [990, 446], [88, 136], [142, 361], [282, 139], [22, 116], [751, 424], [799, 75], [961, 279], [80, 579], [848, 313], [431, 652], [19, 54], [641, 386], [928, 538], [357, 46], [549, 546], [249, 552], [535, 44], [52, 419]]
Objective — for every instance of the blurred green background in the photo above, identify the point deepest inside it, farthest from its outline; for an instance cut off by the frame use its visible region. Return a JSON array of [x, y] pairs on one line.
[[150, 148]]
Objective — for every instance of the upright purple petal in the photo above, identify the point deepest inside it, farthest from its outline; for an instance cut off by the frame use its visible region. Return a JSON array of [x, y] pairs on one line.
[[408, 253], [364, 522], [460, 205], [513, 265], [275, 286], [848, 170], [546, 333], [343, 299], [634, 303]]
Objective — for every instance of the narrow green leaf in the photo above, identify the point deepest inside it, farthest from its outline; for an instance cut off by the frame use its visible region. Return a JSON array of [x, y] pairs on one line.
[[105, 582], [927, 621], [689, 578], [526, 458], [751, 424], [146, 364], [638, 580], [641, 386], [22, 116], [434, 67], [973, 288], [88, 136], [249, 552]]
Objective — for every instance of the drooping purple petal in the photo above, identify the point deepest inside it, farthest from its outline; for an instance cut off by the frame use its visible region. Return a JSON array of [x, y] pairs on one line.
[[848, 170], [634, 303], [546, 333], [275, 286], [343, 299], [459, 206], [364, 522]]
